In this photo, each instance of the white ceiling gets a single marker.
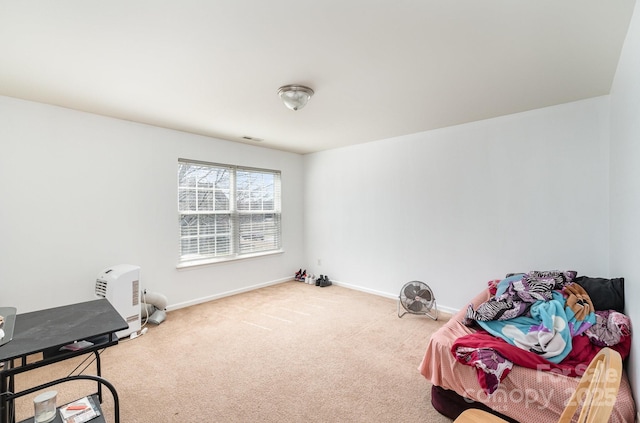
(379, 68)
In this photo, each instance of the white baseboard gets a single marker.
(225, 294)
(365, 289)
(445, 309)
(201, 300)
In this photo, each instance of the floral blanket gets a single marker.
(494, 358)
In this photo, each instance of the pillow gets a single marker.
(606, 294)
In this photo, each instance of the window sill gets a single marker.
(208, 262)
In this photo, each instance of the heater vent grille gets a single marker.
(101, 288)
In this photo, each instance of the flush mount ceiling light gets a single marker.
(295, 97)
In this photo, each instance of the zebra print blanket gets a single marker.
(517, 293)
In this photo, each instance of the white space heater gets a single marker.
(120, 285)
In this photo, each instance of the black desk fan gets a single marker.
(417, 298)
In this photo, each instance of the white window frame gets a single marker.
(227, 212)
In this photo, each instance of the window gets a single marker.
(227, 212)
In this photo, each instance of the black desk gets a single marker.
(46, 330)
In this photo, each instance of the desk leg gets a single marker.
(99, 372)
(6, 387)
(4, 404)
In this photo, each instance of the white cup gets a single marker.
(45, 407)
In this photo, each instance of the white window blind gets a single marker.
(227, 212)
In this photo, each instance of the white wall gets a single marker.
(454, 207)
(81, 192)
(625, 182)
(459, 206)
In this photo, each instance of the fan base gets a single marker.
(429, 313)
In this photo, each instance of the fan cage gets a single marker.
(417, 298)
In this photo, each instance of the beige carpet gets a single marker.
(286, 353)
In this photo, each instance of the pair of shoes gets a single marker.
(323, 281)
(300, 275)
